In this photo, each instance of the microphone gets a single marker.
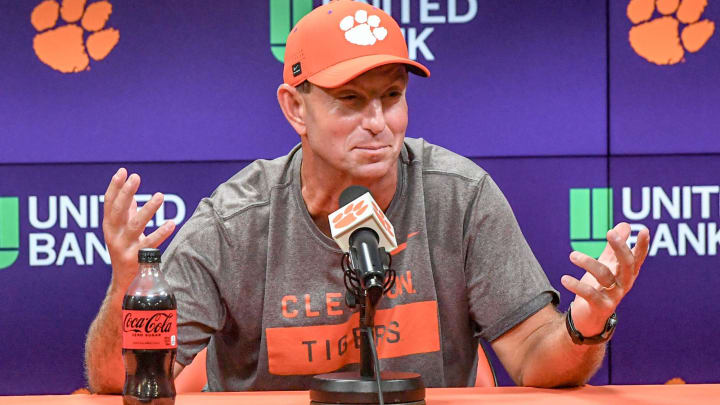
(363, 232)
(361, 229)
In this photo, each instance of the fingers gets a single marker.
(626, 260)
(623, 228)
(584, 290)
(640, 251)
(116, 183)
(601, 273)
(133, 208)
(156, 238)
(138, 221)
(121, 204)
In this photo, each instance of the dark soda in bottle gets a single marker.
(149, 316)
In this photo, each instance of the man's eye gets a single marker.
(393, 94)
(348, 97)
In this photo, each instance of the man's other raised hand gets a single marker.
(607, 280)
(124, 225)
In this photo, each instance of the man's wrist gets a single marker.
(579, 339)
(116, 291)
(589, 328)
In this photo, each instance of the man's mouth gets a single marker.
(371, 147)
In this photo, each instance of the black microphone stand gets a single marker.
(367, 322)
(362, 388)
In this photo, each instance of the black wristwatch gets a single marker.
(579, 339)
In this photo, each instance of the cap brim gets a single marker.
(341, 73)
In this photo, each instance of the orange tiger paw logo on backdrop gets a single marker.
(65, 48)
(659, 40)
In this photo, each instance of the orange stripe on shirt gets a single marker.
(400, 331)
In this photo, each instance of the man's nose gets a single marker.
(374, 117)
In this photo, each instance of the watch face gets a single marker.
(610, 325)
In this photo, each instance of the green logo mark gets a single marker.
(590, 219)
(284, 14)
(9, 230)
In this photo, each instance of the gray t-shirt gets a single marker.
(259, 284)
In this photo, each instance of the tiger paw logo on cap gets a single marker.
(64, 48)
(656, 39)
(361, 33)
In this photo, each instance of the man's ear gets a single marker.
(293, 107)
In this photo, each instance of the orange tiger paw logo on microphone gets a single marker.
(64, 48)
(350, 214)
(383, 219)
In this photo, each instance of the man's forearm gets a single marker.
(103, 348)
(556, 361)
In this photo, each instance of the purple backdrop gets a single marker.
(670, 319)
(194, 81)
(663, 109)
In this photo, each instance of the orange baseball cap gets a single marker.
(341, 40)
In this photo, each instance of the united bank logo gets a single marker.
(657, 37)
(58, 230)
(284, 14)
(682, 220)
(425, 16)
(66, 47)
(591, 216)
(9, 231)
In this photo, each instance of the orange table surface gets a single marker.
(609, 394)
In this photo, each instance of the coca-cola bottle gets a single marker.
(149, 322)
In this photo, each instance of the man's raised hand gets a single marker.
(607, 280)
(123, 226)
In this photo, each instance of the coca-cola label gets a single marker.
(149, 329)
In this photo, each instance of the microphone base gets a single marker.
(351, 388)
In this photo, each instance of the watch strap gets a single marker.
(578, 337)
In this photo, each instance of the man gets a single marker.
(257, 276)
